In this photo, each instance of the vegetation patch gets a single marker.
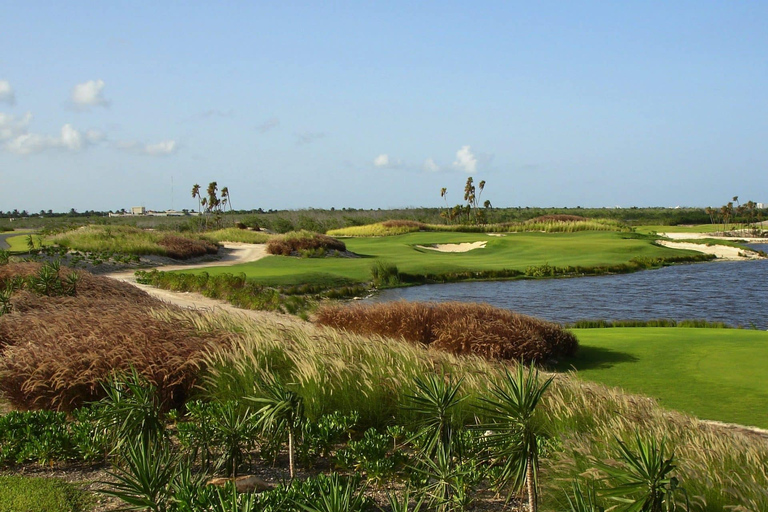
(182, 248)
(56, 350)
(386, 228)
(305, 244)
(245, 236)
(459, 328)
(129, 240)
(23, 493)
(557, 218)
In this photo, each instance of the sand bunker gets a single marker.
(722, 252)
(465, 247)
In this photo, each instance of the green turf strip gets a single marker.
(718, 374)
(513, 251)
(28, 494)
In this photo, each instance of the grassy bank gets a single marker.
(715, 374)
(516, 252)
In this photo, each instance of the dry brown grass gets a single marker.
(458, 328)
(181, 248)
(303, 242)
(557, 218)
(56, 351)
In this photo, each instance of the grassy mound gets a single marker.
(245, 236)
(386, 228)
(56, 350)
(304, 243)
(557, 218)
(459, 328)
(129, 240)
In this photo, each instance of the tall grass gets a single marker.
(334, 370)
(304, 243)
(237, 235)
(129, 240)
(546, 224)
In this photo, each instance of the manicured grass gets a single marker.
(28, 494)
(716, 374)
(513, 251)
(18, 243)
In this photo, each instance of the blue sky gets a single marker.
(103, 105)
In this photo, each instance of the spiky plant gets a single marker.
(434, 402)
(516, 431)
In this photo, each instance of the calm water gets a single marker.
(731, 292)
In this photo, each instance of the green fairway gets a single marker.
(18, 242)
(717, 374)
(513, 251)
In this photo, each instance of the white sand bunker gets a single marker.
(722, 252)
(465, 247)
(495, 234)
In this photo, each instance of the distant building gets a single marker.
(761, 206)
(138, 210)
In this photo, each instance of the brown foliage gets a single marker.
(56, 351)
(458, 328)
(403, 224)
(181, 248)
(295, 243)
(558, 218)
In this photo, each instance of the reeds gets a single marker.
(459, 328)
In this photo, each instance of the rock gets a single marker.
(246, 483)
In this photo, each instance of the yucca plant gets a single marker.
(644, 479)
(335, 495)
(281, 413)
(516, 431)
(144, 475)
(403, 503)
(434, 401)
(131, 410)
(233, 428)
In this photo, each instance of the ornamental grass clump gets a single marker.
(304, 243)
(459, 328)
(55, 351)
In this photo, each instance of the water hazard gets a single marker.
(732, 292)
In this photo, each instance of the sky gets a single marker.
(290, 105)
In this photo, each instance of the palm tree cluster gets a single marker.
(211, 204)
(744, 216)
(469, 212)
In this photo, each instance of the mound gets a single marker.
(304, 243)
(181, 248)
(410, 224)
(55, 351)
(458, 328)
(557, 218)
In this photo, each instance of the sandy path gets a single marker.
(237, 253)
(699, 236)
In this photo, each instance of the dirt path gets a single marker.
(237, 253)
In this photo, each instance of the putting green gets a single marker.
(512, 251)
(717, 374)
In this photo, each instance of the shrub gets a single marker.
(457, 328)
(304, 243)
(182, 248)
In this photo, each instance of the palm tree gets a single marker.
(516, 430)
(196, 194)
(225, 197)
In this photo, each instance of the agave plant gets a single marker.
(434, 401)
(584, 498)
(644, 479)
(516, 431)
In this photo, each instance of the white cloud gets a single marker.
(429, 165)
(6, 93)
(70, 139)
(162, 148)
(465, 160)
(89, 94)
(11, 126)
(384, 162)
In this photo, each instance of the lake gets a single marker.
(732, 292)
